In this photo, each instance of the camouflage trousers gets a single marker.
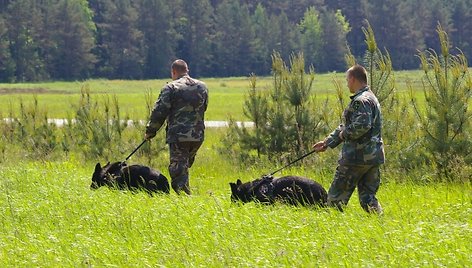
(182, 156)
(367, 180)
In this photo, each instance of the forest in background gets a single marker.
(137, 39)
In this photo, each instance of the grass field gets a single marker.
(226, 94)
(51, 218)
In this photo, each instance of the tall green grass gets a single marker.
(51, 218)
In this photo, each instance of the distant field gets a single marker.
(226, 94)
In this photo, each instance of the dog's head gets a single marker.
(246, 192)
(106, 175)
(240, 192)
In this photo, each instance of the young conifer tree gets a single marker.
(445, 121)
(286, 121)
(256, 109)
(298, 85)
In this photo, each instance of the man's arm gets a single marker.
(331, 141)
(159, 113)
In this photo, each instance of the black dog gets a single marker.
(119, 175)
(293, 190)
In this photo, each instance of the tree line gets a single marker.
(137, 39)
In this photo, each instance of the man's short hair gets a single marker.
(358, 72)
(180, 66)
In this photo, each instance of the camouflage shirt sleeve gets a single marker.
(360, 121)
(160, 111)
(333, 139)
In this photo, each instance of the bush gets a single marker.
(286, 119)
(445, 123)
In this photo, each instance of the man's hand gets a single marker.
(320, 146)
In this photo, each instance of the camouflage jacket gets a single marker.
(361, 131)
(183, 103)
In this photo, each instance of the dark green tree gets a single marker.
(69, 45)
(262, 41)
(311, 37)
(196, 28)
(286, 36)
(24, 24)
(398, 35)
(355, 12)
(233, 39)
(156, 24)
(334, 33)
(3, 5)
(7, 65)
(461, 35)
(120, 51)
(426, 15)
(447, 86)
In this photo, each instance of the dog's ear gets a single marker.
(98, 168)
(233, 186)
(238, 182)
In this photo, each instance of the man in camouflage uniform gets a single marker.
(183, 103)
(362, 152)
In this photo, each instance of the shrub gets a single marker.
(445, 123)
(286, 121)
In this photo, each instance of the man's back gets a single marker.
(183, 103)
(189, 101)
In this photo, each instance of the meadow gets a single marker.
(51, 218)
(226, 94)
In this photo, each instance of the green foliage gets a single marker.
(283, 117)
(121, 41)
(159, 36)
(69, 46)
(335, 29)
(399, 32)
(33, 131)
(379, 68)
(263, 42)
(233, 38)
(196, 31)
(93, 129)
(311, 35)
(256, 108)
(7, 65)
(24, 26)
(134, 39)
(447, 86)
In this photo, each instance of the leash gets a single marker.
(139, 146)
(294, 161)
(291, 163)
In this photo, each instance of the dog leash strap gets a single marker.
(296, 160)
(293, 162)
(129, 156)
